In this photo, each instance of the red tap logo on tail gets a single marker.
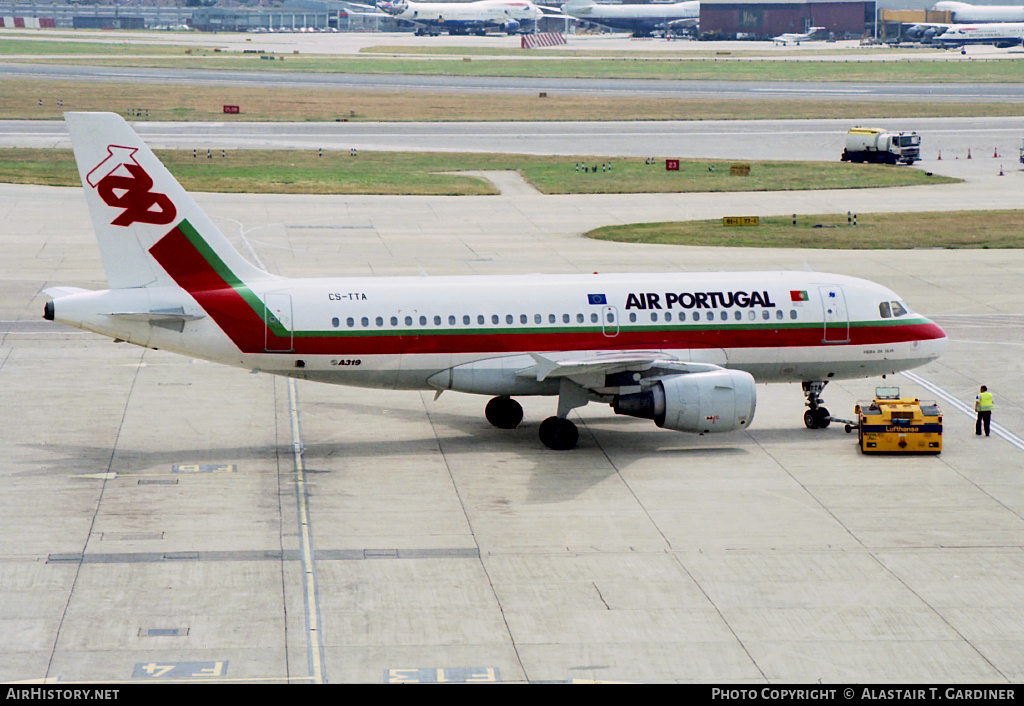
(122, 183)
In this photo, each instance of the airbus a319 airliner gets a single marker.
(681, 349)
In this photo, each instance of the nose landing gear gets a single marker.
(816, 417)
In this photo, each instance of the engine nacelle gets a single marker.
(715, 401)
(510, 27)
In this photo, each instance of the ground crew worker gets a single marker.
(983, 406)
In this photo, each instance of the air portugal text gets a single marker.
(698, 300)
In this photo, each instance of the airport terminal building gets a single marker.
(757, 19)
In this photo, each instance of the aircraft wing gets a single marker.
(649, 363)
(684, 22)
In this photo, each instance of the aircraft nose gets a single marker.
(934, 339)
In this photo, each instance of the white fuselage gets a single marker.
(967, 13)
(998, 33)
(643, 18)
(511, 15)
(476, 334)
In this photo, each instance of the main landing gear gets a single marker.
(504, 412)
(557, 433)
(816, 417)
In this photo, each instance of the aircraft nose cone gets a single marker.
(934, 339)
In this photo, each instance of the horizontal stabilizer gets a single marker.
(58, 292)
(172, 319)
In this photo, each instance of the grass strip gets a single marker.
(418, 173)
(952, 230)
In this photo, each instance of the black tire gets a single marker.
(504, 412)
(559, 434)
(810, 419)
(822, 417)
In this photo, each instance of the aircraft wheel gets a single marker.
(823, 417)
(810, 420)
(504, 412)
(559, 434)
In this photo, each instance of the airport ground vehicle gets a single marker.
(872, 144)
(893, 424)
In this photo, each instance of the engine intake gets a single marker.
(710, 402)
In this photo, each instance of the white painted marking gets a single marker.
(967, 409)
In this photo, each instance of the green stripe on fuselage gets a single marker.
(229, 277)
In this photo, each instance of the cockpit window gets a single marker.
(884, 310)
(898, 309)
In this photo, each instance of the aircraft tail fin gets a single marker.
(150, 231)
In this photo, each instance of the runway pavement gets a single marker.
(902, 92)
(166, 519)
(975, 147)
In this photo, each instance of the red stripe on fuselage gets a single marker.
(186, 265)
(667, 339)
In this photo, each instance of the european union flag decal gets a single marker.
(597, 299)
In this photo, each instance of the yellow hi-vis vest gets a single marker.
(985, 402)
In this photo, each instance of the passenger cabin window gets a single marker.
(884, 310)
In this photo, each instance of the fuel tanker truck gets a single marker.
(872, 144)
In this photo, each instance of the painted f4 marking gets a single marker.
(180, 670)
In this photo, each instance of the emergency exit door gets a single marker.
(837, 319)
(610, 321)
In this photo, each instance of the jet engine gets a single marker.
(713, 401)
(510, 27)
